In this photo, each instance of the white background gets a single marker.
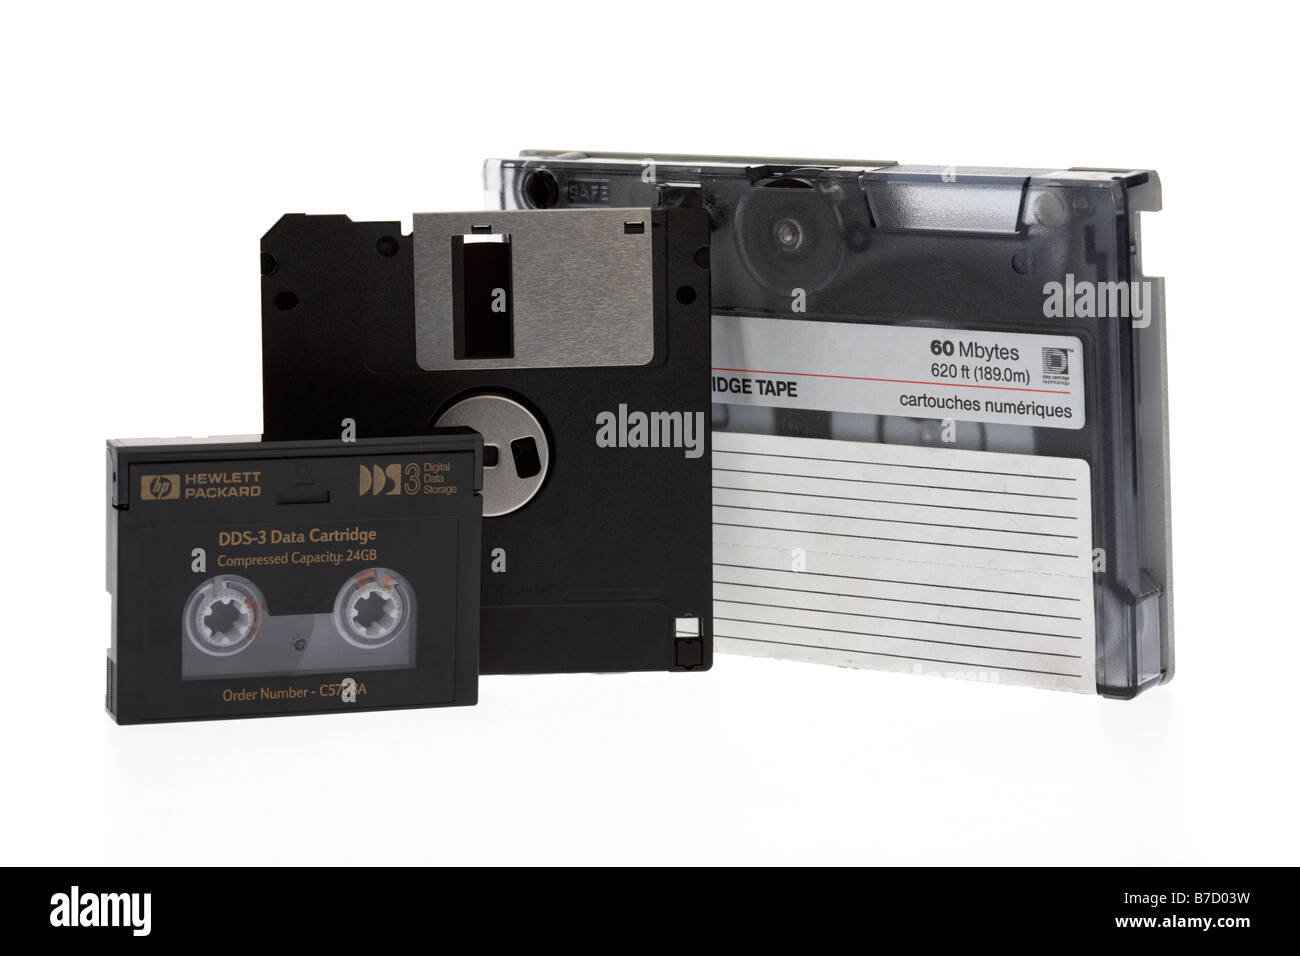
(144, 150)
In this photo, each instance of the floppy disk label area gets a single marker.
(912, 371)
(936, 561)
(516, 290)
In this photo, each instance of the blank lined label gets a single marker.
(936, 561)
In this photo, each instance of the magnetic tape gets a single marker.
(940, 430)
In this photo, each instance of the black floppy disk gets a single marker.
(577, 344)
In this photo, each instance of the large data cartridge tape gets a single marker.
(577, 344)
(940, 431)
(262, 578)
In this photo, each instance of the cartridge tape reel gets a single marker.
(789, 234)
(223, 615)
(373, 608)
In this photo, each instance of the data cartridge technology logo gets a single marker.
(1056, 361)
(160, 487)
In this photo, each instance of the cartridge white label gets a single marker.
(931, 560)
(911, 371)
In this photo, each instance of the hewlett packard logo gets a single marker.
(624, 429)
(160, 487)
(102, 910)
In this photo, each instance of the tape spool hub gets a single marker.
(373, 608)
(223, 615)
(789, 235)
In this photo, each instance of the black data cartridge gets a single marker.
(256, 578)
